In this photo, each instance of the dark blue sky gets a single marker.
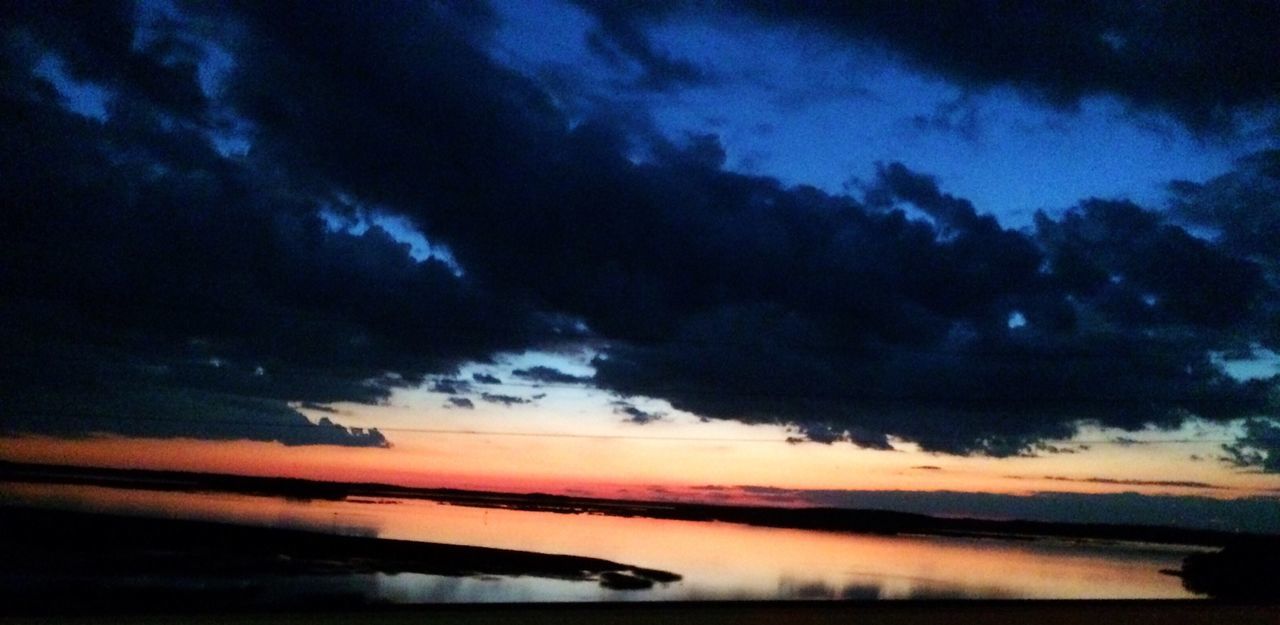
(801, 103)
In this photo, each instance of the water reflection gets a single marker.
(870, 589)
(335, 517)
(717, 560)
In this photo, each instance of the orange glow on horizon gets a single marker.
(622, 469)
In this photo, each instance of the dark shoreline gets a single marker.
(47, 556)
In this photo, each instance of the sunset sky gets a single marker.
(948, 257)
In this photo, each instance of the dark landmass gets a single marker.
(47, 556)
(1243, 571)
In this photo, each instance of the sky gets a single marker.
(1012, 260)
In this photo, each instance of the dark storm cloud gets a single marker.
(730, 296)
(1091, 348)
(1199, 62)
(1241, 211)
(97, 43)
(83, 393)
(158, 287)
(1147, 271)
(484, 378)
(1242, 206)
(734, 297)
(549, 375)
(896, 182)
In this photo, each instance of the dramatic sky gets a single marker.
(1003, 259)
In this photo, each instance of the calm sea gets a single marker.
(718, 560)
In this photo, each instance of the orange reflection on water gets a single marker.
(717, 560)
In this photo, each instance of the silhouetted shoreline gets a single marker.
(1241, 571)
(141, 563)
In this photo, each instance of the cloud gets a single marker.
(1241, 211)
(1242, 206)
(505, 400)
(334, 434)
(635, 414)
(96, 44)
(1161, 272)
(961, 116)
(318, 407)
(1092, 345)
(620, 40)
(485, 378)
(450, 386)
(136, 400)
(1125, 482)
(1055, 449)
(460, 402)
(550, 375)
(928, 467)
(896, 182)
(1259, 447)
(135, 240)
(1201, 65)
(135, 252)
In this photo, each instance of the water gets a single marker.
(717, 560)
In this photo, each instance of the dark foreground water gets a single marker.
(716, 560)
